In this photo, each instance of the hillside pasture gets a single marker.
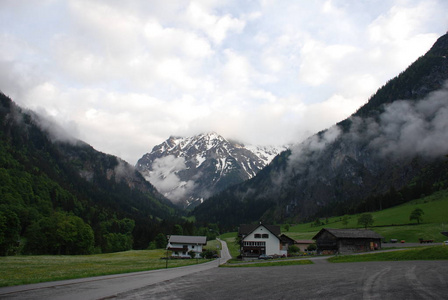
(392, 223)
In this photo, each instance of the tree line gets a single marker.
(47, 205)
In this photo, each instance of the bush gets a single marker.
(207, 253)
(293, 249)
(311, 247)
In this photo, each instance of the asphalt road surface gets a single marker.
(372, 280)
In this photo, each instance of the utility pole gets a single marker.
(168, 240)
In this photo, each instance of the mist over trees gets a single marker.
(60, 196)
(392, 150)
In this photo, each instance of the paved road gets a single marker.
(225, 254)
(106, 286)
(371, 280)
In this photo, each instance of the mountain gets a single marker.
(393, 149)
(59, 195)
(190, 169)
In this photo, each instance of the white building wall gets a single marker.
(195, 248)
(272, 242)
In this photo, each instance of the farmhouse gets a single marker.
(331, 241)
(181, 245)
(262, 239)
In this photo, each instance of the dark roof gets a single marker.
(185, 239)
(350, 233)
(286, 239)
(246, 229)
(304, 241)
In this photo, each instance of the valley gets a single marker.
(61, 196)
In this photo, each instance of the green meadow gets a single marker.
(274, 263)
(392, 223)
(17, 270)
(420, 253)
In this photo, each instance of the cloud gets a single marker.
(404, 130)
(408, 128)
(216, 27)
(128, 74)
(311, 149)
(164, 176)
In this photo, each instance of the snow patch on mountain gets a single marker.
(190, 169)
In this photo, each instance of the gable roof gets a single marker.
(306, 242)
(185, 239)
(286, 239)
(350, 233)
(246, 229)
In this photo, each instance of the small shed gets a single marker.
(303, 244)
(332, 241)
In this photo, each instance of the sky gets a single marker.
(123, 76)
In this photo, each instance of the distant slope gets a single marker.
(47, 178)
(189, 169)
(392, 223)
(388, 152)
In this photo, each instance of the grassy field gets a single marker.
(229, 238)
(390, 223)
(16, 270)
(270, 264)
(424, 253)
(393, 223)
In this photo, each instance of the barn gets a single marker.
(332, 241)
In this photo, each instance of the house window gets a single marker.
(257, 236)
(192, 247)
(265, 235)
(256, 244)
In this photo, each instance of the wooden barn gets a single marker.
(332, 241)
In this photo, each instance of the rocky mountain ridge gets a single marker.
(190, 169)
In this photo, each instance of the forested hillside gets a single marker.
(60, 196)
(392, 150)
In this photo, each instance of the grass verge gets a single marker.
(423, 253)
(17, 270)
(269, 264)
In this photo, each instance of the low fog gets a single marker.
(405, 129)
(164, 176)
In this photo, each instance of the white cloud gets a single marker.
(164, 176)
(216, 27)
(408, 128)
(125, 75)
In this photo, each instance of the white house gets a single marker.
(262, 239)
(181, 245)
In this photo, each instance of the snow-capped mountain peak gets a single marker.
(189, 169)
